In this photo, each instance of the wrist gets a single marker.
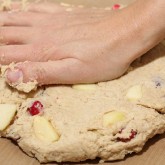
(147, 24)
(135, 30)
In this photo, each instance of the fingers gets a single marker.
(54, 8)
(66, 71)
(15, 19)
(21, 18)
(16, 53)
(44, 7)
(15, 35)
(40, 20)
(47, 7)
(35, 52)
(29, 18)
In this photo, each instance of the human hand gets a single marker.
(60, 47)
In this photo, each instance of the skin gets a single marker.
(54, 46)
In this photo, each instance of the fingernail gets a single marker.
(14, 76)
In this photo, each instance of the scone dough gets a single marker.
(74, 123)
(76, 115)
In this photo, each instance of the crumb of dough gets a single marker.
(25, 87)
(6, 5)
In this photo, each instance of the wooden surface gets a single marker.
(153, 153)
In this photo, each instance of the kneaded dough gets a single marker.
(107, 120)
(77, 114)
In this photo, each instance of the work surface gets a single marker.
(153, 153)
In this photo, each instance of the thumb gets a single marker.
(66, 71)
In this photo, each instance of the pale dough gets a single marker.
(107, 120)
(77, 115)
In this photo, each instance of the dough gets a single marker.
(74, 123)
(106, 120)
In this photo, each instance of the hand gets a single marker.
(80, 46)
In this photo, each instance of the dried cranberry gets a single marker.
(132, 135)
(115, 6)
(35, 108)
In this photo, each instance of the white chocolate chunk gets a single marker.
(44, 130)
(7, 113)
(84, 86)
(134, 93)
(113, 117)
